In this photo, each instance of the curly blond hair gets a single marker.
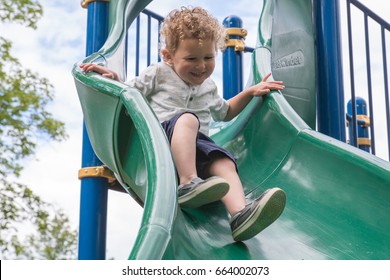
(191, 23)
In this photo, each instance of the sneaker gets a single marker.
(258, 214)
(199, 192)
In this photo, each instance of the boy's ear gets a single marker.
(167, 56)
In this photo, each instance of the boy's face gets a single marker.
(192, 62)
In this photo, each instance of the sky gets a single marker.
(51, 51)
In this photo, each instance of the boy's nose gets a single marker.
(201, 64)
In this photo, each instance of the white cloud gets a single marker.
(51, 50)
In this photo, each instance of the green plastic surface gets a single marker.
(338, 197)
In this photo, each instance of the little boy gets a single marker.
(184, 98)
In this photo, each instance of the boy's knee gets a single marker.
(228, 162)
(189, 120)
(224, 163)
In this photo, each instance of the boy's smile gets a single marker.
(193, 62)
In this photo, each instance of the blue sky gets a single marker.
(51, 50)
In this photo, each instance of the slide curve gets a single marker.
(338, 197)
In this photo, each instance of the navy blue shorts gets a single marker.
(206, 149)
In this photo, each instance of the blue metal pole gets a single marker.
(363, 123)
(330, 98)
(94, 191)
(137, 45)
(232, 63)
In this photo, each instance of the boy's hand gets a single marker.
(105, 72)
(265, 87)
(238, 102)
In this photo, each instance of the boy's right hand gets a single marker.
(105, 72)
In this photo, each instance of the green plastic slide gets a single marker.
(338, 197)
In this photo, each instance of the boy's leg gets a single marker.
(247, 219)
(193, 191)
(234, 200)
(183, 147)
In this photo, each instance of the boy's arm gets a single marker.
(105, 72)
(239, 102)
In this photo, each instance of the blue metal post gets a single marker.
(232, 63)
(363, 123)
(94, 191)
(330, 98)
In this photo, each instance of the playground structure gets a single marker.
(338, 195)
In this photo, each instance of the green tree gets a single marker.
(24, 121)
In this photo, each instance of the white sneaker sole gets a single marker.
(267, 211)
(208, 192)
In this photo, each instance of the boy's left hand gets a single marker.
(265, 87)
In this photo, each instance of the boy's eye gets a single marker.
(194, 58)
